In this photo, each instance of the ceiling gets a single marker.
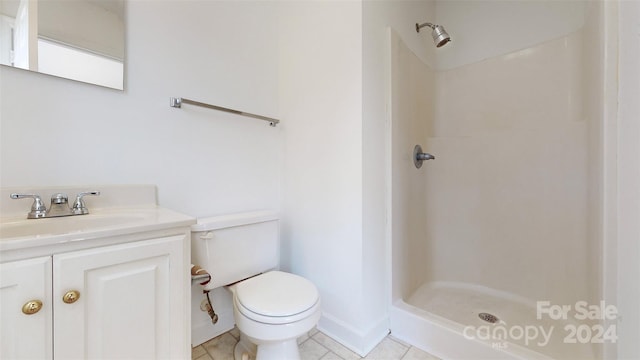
(10, 7)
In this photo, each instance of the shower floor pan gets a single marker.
(462, 321)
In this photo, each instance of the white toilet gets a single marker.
(271, 308)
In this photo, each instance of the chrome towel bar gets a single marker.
(177, 103)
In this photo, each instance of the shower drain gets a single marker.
(490, 318)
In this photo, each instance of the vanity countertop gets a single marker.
(21, 232)
(121, 222)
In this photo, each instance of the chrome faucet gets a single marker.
(419, 156)
(59, 205)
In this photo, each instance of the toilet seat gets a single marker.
(276, 297)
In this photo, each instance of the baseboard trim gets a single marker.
(360, 342)
(203, 332)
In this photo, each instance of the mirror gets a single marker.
(81, 40)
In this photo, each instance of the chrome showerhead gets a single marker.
(439, 34)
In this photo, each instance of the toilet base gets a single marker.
(246, 350)
(278, 351)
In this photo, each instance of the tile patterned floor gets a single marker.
(314, 346)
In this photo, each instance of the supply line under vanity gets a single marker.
(177, 103)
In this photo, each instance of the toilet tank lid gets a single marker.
(231, 220)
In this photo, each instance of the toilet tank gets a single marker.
(236, 246)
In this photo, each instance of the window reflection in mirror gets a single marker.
(76, 39)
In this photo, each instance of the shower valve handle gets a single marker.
(419, 156)
(425, 156)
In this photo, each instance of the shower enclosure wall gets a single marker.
(505, 219)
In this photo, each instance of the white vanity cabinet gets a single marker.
(122, 301)
(127, 297)
(26, 284)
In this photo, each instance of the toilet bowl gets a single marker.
(272, 311)
(271, 308)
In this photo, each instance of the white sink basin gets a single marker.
(120, 210)
(68, 224)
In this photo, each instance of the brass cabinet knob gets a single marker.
(32, 307)
(71, 296)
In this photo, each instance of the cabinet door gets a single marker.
(22, 335)
(130, 301)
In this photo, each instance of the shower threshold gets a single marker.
(456, 320)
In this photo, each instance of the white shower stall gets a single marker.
(506, 222)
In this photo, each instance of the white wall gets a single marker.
(297, 61)
(321, 98)
(596, 99)
(612, 54)
(333, 91)
(59, 132)
(322, 168)
(511, 165)
(26, 36)
(378, 17)
(412, 111)
(628, 178)
(83, 24)
(484, 29)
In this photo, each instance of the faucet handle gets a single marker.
(38, 209)
(79, 208)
